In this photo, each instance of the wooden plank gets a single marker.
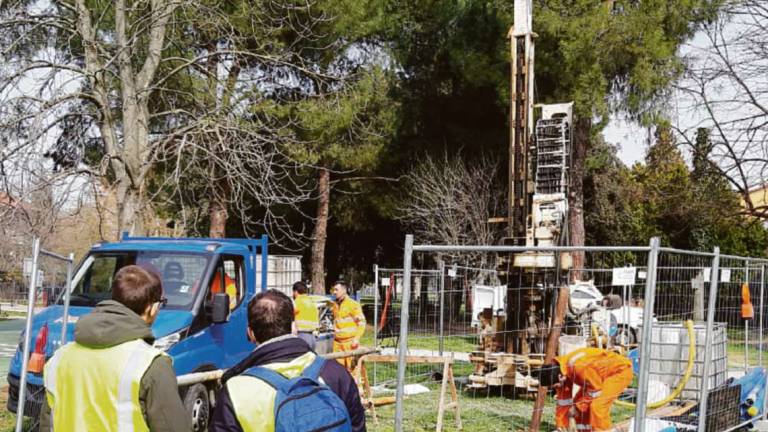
(561, 308)
(367, 392)
(384, 400)
(441, 402)
(345, 354)
(382, 358)
(454, 397)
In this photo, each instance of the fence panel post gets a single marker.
(403, 342)
(441, 285)
(645, 343)
(27, 335)
(746, 321)
(714, 278)
(67, 295)
(760, 331)
(375, 304)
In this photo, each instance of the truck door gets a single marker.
(229, 278)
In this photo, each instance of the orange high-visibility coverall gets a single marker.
(349, 327)
(602, 375)
(229, 288)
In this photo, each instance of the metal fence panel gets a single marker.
(667, 289)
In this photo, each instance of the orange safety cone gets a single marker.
(747, 310)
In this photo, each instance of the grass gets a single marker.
(430, 342)
(479, 412)
(7, 418)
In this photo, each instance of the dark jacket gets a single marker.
(111, 324)
(333, 375)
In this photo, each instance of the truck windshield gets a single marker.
(181, 274)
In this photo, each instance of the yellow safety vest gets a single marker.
(90, 389)
(306, 313)
(348, 319)
(254, 400)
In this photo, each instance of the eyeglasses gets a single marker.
(163, 301)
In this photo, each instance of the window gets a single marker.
(181, 275)
(96, 283)
(228, 274)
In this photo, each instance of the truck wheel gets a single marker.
(197, 404)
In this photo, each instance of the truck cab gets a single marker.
(194, 273)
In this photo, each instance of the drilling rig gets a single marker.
(539, 160)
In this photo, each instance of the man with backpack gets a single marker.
(282, 385)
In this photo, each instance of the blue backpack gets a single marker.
(302, 404)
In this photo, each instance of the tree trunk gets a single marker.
(320, 233)
(218, 210)
(129, 216)
(218, 219)
(581, 134)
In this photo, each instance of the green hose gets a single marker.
(683, 380)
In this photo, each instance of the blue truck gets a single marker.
(191, 327)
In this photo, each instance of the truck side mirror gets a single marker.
(220, 310)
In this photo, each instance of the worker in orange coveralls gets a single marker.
(349, 324)
(602, 375)
(229, 287)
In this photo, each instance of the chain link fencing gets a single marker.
(491, 309)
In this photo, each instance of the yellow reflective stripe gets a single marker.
(306, 325)
(573, 359)
(583, 427)
(49, 380)
(137, 362)
(595, 393)
(49, 371)
(564, 402)
(346, 320)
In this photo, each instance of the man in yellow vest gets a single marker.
(111, 378)
(246, 402)
(349, 323)
(307, 317)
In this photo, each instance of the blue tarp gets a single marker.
(753, 386)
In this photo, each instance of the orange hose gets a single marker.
(387, 301)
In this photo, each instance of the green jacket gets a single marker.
(111, 324)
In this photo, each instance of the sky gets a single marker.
(632, 138)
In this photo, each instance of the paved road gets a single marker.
(9, 340)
